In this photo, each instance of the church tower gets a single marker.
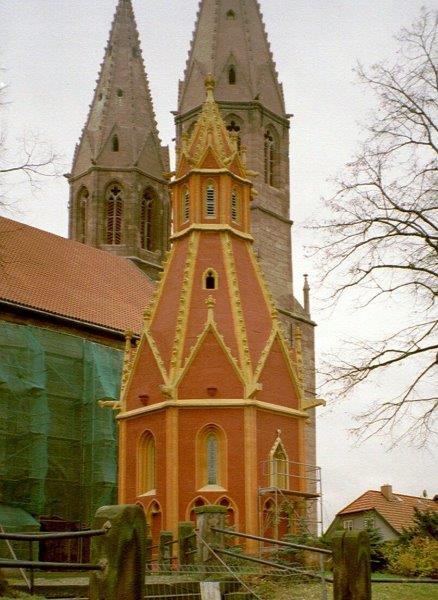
(213, 407)
(118, 194)
(230, 42)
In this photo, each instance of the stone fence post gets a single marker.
(187, 543)
(207, 517)
(165, 550)
(351, 566)
(121, 552)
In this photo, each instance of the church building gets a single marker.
(213, 408)
(218, 402)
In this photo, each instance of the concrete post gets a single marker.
(351, 566)
(121, 552)
(207, 517)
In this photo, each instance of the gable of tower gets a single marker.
(144, 390)
(279, 384)
(210, 256)
(210, 372)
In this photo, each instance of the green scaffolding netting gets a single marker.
(57, 446)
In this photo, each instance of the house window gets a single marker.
(114, 214)
(146, 220)
(231, 15)
(119, 93)
(210, 279)
(348, 525)
(232, 75)
(368, 523)
(82, 202)
(146, 464)
(185, 205)
(210, 201)
(279, 464)
(235, 206)
(269, 158)
(115, 143)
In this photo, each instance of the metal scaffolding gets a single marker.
(290, 499)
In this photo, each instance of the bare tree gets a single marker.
(382, 236)
(28, 160)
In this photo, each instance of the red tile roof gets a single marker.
(47, 272)
(398, 512)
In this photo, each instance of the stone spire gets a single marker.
(230, 42)
(121, 106)
(120, 144)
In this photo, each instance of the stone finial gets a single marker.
(210, 302)
(210, 83)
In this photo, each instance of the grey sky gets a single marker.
(51, 53)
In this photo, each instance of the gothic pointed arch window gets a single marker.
(185, 204)
(270, 157)
(235, 206)
(231, 510)
(114, 214)
(147, 216)
(196, 503)
(154, 519)
(115, 143)
(211, 458)
(146, 467)
(232, 75)
(210, 201)
(81, 212)
(279, 466)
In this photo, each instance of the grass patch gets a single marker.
(269, 590)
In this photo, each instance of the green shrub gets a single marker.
(417, 557)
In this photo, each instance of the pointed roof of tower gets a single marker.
(231, 33)
(210, 145)
(121, 106)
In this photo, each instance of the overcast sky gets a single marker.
(50, 56)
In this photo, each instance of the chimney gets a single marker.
(386, 491)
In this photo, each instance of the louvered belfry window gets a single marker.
(210, 201)
(114, 215)
(185, 205)
(234, 206)
(146, 221)
(269, 158)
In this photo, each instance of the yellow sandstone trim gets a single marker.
(184, 308)
(121, 488)
(172, 462)
(236, 308)
(250, 454)
(214, 227)
(214, 403)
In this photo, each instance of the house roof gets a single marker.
(62, 277)
(398, 512)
